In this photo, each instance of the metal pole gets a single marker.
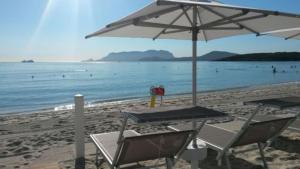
(120, 139)
(194, 58)
(195, 38)
(79, 126)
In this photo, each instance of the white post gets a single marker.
(79, 126)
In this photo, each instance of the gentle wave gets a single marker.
(72, 106)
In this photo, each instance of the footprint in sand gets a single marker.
(14, 143)
(22, 150)
(291, 157)
(268, 159)
(3, 154)
(27, 156)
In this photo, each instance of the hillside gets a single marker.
(149, 55)
(277, 56)
(161, 55)
(211, 56)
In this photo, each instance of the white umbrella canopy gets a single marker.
(293, 33)
(196, 20)
(173, 19)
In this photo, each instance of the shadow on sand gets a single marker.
(80, 163)
(211, 163)
(285, 144)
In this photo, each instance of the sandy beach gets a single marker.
(46, 139)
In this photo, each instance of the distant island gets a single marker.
(163, 55)
(27, 61)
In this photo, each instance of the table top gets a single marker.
(281, 103)
(160, 114)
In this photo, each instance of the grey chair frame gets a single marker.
(292, 127)
(223, 153)
(170, 162)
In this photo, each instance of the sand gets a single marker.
(46, 139)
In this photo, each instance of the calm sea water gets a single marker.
(33, 86)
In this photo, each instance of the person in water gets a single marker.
(274, 70)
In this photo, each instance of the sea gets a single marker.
(29, 87)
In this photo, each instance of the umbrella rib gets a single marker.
(151, 15)
(246, 18)
(223, 28)
(293, 36)
(231, 20)
(123, 23)
(224, 6)
(200, 21)
(221, 21)
(188, 18)
(176, 19)
(160, 25)
(175, 31)
(101, 32)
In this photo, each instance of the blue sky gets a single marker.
(54, 30)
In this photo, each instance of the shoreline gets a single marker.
(95, 103)
(40, 139)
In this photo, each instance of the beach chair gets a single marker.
(295, 126)
(133, 147)
(224, 136)
(280, 103)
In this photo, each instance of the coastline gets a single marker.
(41, 139)
(95, 103)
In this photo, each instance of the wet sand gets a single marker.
(46, 139)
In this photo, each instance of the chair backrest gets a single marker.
(262, 131)
(152, 146)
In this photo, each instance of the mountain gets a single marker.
(211, 56)
(277, 56)
(149, 55)
(216, 55)
(163, 55)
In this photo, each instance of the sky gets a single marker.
(54, 30)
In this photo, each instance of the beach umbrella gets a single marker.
(196, 20)
(293, 33)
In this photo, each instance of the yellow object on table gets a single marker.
(153, 100)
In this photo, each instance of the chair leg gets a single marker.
(261, 151)
(169, 163)
(219, 159)
(97, 157)
(226, 156)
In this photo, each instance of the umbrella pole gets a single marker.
(194, 62)
(194, 58)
